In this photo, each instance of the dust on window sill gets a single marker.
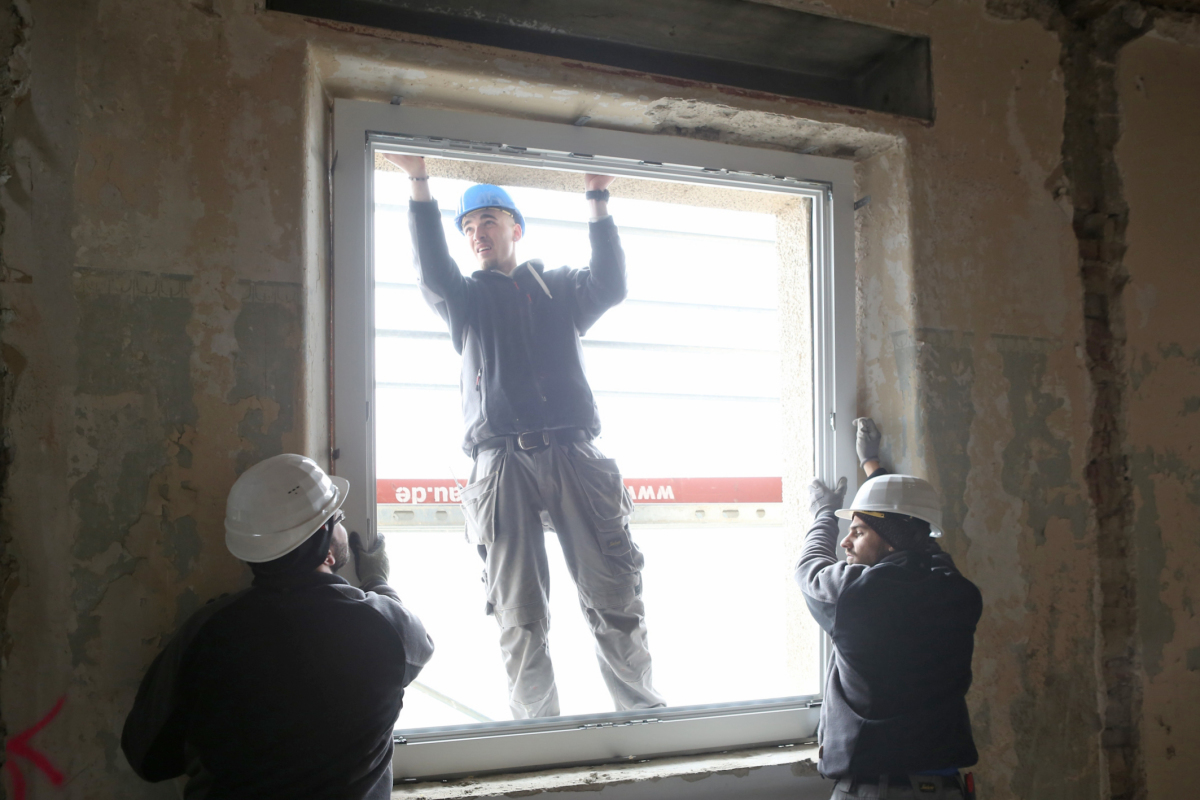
(803, 759)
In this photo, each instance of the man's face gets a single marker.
(492, 235)
(863, 545)
(339, 547)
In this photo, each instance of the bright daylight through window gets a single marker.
(692, 375)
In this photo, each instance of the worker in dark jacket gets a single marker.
(894, 718)
(530, 419)
(291, 688)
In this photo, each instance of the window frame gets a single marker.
(360, 127)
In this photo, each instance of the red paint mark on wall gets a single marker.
(423, 491)
(18, 746)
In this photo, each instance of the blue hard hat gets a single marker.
(485, 195)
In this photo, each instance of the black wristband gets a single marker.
(597, 194)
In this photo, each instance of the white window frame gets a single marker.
(359, 129)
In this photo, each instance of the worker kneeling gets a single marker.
(292, 687)
(894, 720)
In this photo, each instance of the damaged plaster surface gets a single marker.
(162, 327)
(14, 86)
(1158, 82)
(1093, 36)
(970, 333)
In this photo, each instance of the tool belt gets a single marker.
(531, 440)
(917, 783)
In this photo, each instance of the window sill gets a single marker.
(802, 758)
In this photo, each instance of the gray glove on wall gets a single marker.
(866, 441)
(370, 565)
(822, 498)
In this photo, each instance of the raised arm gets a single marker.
(822, 578)
(597, 183)
(442, 283)
(418, 176)
(602, 285)
(372, 567)
(866, 443)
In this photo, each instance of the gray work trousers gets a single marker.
(918, 787)
(513, 497)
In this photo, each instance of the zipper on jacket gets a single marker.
(537, 381)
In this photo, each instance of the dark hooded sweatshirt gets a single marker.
(289, 689)
(522, 361)
(903, 634)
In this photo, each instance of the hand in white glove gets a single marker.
(370, 565)
(822, 498)
(866, 441)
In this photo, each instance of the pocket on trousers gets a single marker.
(613, 541)
(609, 502)
(479, 509)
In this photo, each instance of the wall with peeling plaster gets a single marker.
(164, 325)
(969, 331)
(1159, 82)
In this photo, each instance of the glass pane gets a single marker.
(687, 376)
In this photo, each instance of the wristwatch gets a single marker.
(597, 194)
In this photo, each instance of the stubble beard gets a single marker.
(341, 554)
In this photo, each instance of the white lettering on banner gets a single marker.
(431, 494)
(645, 492)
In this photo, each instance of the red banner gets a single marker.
(418, 491)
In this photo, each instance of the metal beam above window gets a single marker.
(736, 43)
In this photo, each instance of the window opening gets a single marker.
(687, 376)
(378, 318)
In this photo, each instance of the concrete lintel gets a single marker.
(776, 50)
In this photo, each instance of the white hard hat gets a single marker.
(277, 504)
(898, 494)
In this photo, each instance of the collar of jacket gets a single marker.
(910, 559)
(533, 263)
(291, 583)
(521, 277)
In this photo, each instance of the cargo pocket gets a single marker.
(609, 502)
(479, 509)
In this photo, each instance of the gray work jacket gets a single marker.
(522, 365)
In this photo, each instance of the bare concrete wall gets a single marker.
(156, 348)
(1159, 82)
(164, 283)
(970, 318)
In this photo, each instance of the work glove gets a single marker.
(370, 565)
(822, 498)
(866, 441)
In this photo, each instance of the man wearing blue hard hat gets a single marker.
(530, 419)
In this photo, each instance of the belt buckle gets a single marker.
(542, 440)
